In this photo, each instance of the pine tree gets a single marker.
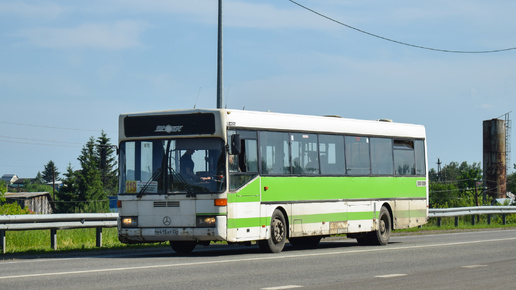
(107, 164)
(50, 172)
(39, 178)
(90, 187)
(67, 196)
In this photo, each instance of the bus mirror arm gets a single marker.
(236, 146)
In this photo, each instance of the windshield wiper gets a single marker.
(182, 181)
(148, 183)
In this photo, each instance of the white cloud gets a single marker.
(245, 14)
(114, 36)
(39, 10)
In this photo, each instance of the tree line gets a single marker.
(457, 185)
(85, 189)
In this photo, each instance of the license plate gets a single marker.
(166, 232)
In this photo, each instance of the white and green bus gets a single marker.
(195, 176)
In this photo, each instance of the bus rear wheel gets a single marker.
(276, 242)
(382, 235)
(183, 247)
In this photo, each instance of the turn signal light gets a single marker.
(221, 202)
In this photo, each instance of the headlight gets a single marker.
(206, 221)
(129, 221)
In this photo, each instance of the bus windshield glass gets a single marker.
(172, 166)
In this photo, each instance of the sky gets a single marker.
(68, 69)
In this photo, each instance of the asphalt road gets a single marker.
(467, 260)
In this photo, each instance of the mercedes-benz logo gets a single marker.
(167, 220)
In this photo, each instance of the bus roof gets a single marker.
(241, 119)
(322, 124)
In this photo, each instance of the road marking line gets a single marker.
(474, 266)
(391, 276)
(282, 287)
(264, 258)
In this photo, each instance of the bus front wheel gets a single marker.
(278, 228)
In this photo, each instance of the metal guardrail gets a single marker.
(99, 221)
(56, 222)
(474, 211)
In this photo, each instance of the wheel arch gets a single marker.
(287, 219)
(389, 209)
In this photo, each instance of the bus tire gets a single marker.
(382, 235)
(278, 228)
(183, 247)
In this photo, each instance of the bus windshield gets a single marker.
(172, 166)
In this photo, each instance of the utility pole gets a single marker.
(439, 169)
(219, 60)
(53, 182)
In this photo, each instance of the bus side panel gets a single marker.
(409, 213)
(361, 216)
(244, 223)
(418, 213)
(318, 219)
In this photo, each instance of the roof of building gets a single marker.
(10, 178)
(26, 194)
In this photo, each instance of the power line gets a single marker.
(397, 41)
(51, 127)
(20, 140)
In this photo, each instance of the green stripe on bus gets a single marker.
(244, 223)
(313, 218)
(319, 218)
(332, 188)
(250, 193)
(293, 188)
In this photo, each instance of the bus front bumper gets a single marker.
(162, 234)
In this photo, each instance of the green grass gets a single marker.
(35, 242)
(465, 223)
(38, 241)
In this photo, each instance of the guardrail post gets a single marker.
(53, 239)
(439, 221)
(456, 221)
(2, 241)
(504, 219)
(99, 237)
(488, 219)
(473, 220)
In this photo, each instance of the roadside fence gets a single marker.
(56, 222)
(99, 221)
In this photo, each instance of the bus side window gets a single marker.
(404, 158)
(331, 150)
(357, 155)
(250, 162)
(419, 147)
(381, 156)
(305, 155)
(274, 151)
(246, 158)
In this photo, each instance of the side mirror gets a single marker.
(236, 144)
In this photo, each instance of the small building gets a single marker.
(9, 178)
(38, 202)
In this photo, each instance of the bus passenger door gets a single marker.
(244, 188)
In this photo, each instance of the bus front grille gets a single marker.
(166, 203)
